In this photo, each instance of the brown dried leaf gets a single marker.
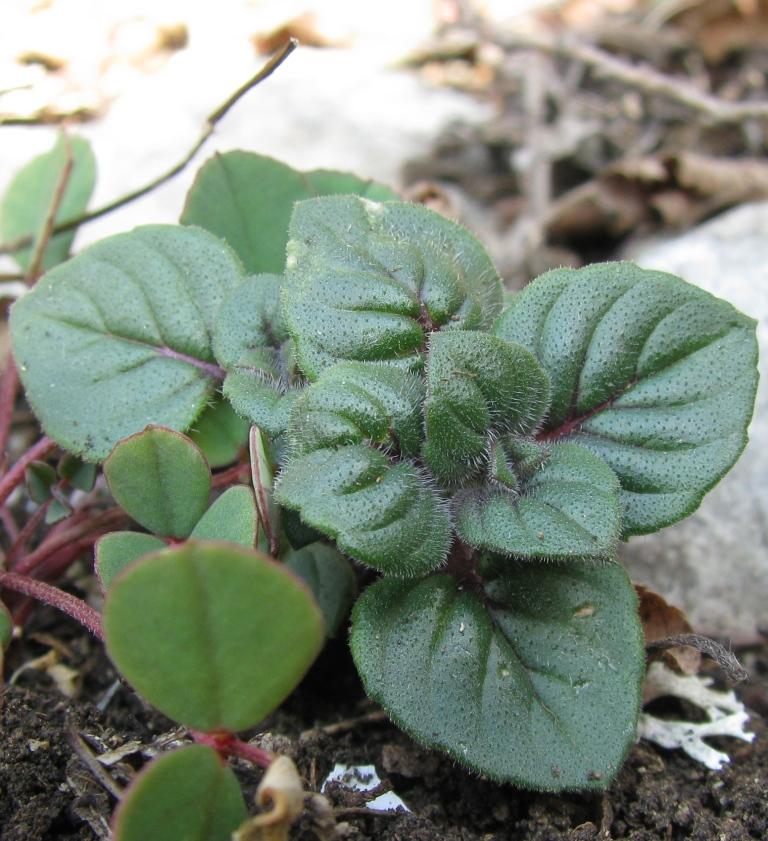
(282, 790)
(732, 181)
(661, 620)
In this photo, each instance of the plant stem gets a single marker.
(15, 476)
(46, 593)
(231, 474)
(211, 122)
(225, 744)
(9, 386)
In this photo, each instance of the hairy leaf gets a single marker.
(247, 200)
(30, 195)
(655, 375)
(537, 682)
(386, 516)
(161, 479)
(330, 578)
(215, 636)
(356, 401)
(569, 508)
(120, 336)
(187, 794)
(477, 386)
(369, 281)
(232, 517)
(114, 551)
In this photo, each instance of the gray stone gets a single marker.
(714, 564)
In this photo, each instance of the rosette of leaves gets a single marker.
(486, 462)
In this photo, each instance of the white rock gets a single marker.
(714, 564)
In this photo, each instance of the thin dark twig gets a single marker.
(211, 122)
(724, 658)
(92, 764)
(36, 264)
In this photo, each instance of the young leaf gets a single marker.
(40, 478)
(232, 517)
(161, 479)
(477, 386)
(654, 375)
(386, 516)
(330, 578)
(369, 281)
(6, 629)
(567, 509)
(213, 635)
(120, 336)
(220, 433)
(356, 401)
(29, 197)
(78, 473)
(187, 794)
(114, 551)
(536, 682)
(252, 345)
(247, 200)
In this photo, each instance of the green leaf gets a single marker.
(477, 386)
(569, 508)
(537, 682)
(385, 516)
(232, 517)
(251, 343)
(187, 794)
(30, 195)
(356, 401)
(40, 478)
(330, 578)
(161, 479)
(370, 281)
(120, 336)
(57, 511)
(213, 635)
(654, 375)
(114, 551)
(78, 473)
(220, 433)
(247, 200)
(6, 629)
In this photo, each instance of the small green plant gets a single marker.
(485, 458)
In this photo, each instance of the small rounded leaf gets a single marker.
(116, 550)
(232, 517)
(188, 794)
(220, 433)
(213, 635)
(161, 479)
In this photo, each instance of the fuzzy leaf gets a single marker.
(330, 578)
(252, 345)
(28, 199)
(567, 509)
(247, 200)
(356, 401)
(369, 281)
(655, 375)
(114, 551)
(120, 336)
(220, 433)
(477, 386)
(161, 479)
(215, 636)
(232, 517)
(187, 794)
(385, 516)
(537, 684)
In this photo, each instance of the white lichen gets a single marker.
(725, 713)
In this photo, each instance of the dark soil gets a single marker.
(48, 792)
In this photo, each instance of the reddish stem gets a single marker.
(231, 474)
(53, 596)
(21, 541)
(15, 476)
(225, 744)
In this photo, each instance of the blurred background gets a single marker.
(560, 132)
